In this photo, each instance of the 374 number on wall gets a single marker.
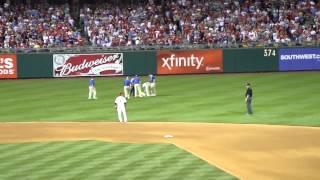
(269, 52)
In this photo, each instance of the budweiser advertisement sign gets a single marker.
(189, 62)
(69, 65)
(8, 66)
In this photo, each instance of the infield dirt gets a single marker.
(245, 151)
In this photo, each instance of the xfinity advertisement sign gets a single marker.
(189, 62)
(299, 59)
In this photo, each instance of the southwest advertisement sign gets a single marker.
(69, 65)
(8, 66)
(189, 62)
(299, 59)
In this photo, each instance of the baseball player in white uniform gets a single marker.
(146, 87)
(92, 89)
(127, 87)
(152, 85)
(120, 105)
(137, 87)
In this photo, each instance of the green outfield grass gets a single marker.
(279, 98)
(99, 160)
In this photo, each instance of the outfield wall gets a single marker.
(250, 60)
(207, 61)
(142, 63)
(34, 65)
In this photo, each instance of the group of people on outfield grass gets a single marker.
(131, 87)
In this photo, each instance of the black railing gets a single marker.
(92, 48)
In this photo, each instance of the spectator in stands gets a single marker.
(175, 22)
(41, 27)
(183, 22)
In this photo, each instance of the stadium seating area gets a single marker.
(177, 22)
(40, 27)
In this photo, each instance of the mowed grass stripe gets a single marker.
(185, 166)
(114, 166)
(71, 163)
(205, 171)
(7, 147)
(18, 152)
(94, 159)
(202, 98)
(158, 165)
(131, 166)
(99, 160)
(57, 156)
(197, 169)
(26, 160)
(179, 163)
(135, 168)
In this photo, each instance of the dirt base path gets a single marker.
(246, 151)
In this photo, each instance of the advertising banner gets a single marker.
(8, 66)
(189, 62)
(291, 59)
(105, 64)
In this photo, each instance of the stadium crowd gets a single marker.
(39, 27)
(218, 22)
(174, 22)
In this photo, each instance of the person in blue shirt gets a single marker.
(92, 89)
(137, 87)
(126, 87)
(152, 80)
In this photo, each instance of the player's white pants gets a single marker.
(146, 87)
(147, 90)
(137, 91)
(122, 112)
(92, 92)
(126, 90)
(153, 89)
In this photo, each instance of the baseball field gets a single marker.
(50, 128)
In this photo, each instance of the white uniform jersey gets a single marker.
(120, 101)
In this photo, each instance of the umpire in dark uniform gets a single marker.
(249, 95)
(132, 86)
